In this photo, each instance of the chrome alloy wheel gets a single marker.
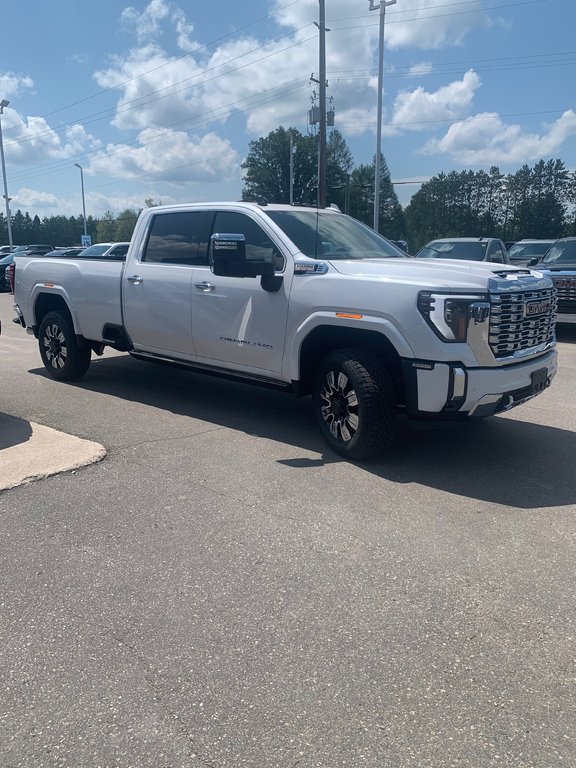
(339, 406)
(55, 346)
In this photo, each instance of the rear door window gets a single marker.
(181, 237)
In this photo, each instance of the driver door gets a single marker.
(234, 320)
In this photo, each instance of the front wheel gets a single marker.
(64, 358)
(354, 403)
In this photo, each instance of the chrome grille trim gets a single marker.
(511, 333)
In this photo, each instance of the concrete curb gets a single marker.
(31, 452)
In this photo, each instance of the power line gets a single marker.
(138, 103)
(206, 46)
(432, 16)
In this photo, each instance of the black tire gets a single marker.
(354, 403)
(64, 358)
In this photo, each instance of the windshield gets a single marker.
(471, 251)
(521, 250)
(562, 252)
(325, 235)
(95, 250)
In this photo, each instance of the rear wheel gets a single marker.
(354, 403)
(64, 358)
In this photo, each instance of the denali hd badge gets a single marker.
(532, 308)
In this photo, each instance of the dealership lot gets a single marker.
(221, 590)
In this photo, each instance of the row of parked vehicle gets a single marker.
(557, 258)
(101, 250)
(520, 254)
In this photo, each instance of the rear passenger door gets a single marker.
(157, 284)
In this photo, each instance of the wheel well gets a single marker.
(49, 302)
(325, 339)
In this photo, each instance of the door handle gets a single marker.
(136, 279)
(205, 286)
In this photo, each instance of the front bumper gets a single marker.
(449, 390)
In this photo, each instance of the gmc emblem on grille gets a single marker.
(532, 308)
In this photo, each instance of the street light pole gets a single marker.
(83, 200)
(382, 8)
(3, 104)
(322, 93)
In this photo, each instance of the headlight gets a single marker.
(449, 315)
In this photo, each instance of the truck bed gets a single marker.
(93, 285)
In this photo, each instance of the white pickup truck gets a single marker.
(309, 301)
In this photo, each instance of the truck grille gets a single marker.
(521, 320)
(566, 294)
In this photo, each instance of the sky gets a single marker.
(159, 99)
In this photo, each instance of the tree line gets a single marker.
(533, 202)
(68, 230)
(537, 202)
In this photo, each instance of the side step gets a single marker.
(223, 373)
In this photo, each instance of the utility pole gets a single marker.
(291, 169)
(322, 92)
(382, 8)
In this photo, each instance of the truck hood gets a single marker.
(447, 274)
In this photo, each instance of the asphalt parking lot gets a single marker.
(217, 589)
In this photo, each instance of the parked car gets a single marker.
(559, 263)
(36, 249)
(5, 262)
(467, 248)
(561, 252)
(524, 251)
(5, 249)
(107, 251)
(66, 252)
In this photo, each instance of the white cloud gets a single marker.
(32, 199)
(414, 109)
(169, 155)
(146, 24)
(409, 24)
(11, 84)
(484, 140)
(415, 24)
(33, 141)
(269, 80)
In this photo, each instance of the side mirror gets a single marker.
(533, 262)
(228, 255)
(228, 259)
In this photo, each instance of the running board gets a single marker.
(224, 373)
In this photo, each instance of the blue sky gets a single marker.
(161, 99)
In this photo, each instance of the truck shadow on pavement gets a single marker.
(502, 460)
(13, 431)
